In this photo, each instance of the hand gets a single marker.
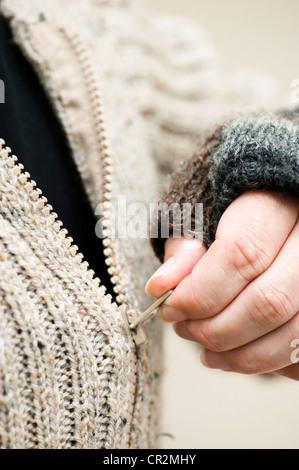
(240, 298)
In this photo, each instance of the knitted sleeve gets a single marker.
(255, 152)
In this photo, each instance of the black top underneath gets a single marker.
(29, 126)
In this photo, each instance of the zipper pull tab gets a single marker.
(136, 321)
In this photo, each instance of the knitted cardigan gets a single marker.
(133, 94)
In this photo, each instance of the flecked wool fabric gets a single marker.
(133, 94)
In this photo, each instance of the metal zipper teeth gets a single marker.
(113, 267)
(35, 194)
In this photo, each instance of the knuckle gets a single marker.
(249, 257)
(202, 304)
(208, 339)
(195, 294)
(294, 327)
(244, 363)
(170, 247)
(272, 305)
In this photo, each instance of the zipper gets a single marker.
(130, 315)
(136, 336)
(114, 268)
(35, 194)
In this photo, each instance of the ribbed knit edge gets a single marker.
(255, 153)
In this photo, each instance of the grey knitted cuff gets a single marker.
(255, 153)
(259, 152)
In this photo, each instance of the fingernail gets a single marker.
(170, 314)
(213, 360)
(203, 358)
(162, 270)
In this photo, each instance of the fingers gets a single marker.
(272, 352)
(181, 255)
(291, 372)
(246, 245)
(267, 303)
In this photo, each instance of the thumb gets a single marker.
(181, 255)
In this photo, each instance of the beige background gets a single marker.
(213, 409)
(263, 34)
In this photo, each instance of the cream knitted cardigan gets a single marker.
(71, 377)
